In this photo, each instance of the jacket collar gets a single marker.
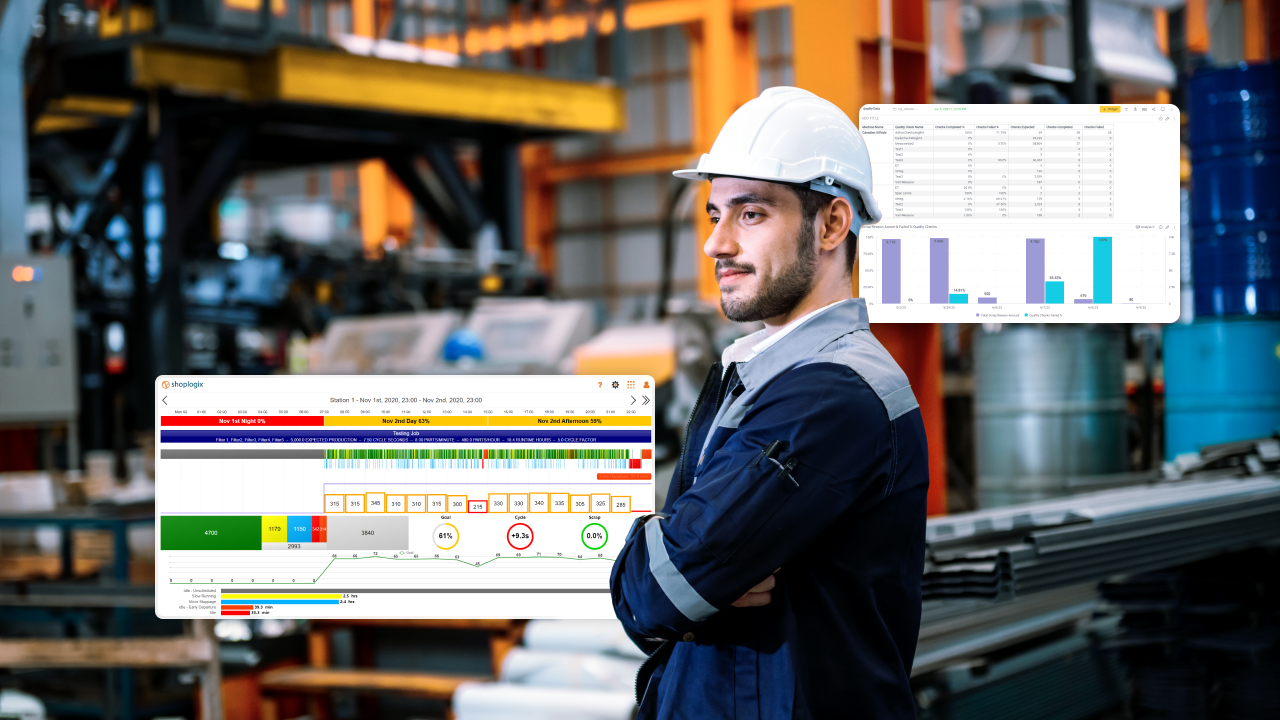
(804, 342)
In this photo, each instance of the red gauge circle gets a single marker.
(515, 535)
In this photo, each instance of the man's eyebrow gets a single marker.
(744, 199)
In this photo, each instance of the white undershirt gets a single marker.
(748, 347)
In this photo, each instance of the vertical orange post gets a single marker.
(846, 72)
(918, 350)
(825, 51)
(1197, 15)
(373, 206)
(1255, 29)
(712, 85)
(539, 207)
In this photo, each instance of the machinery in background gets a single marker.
(39, 382)
(384, 344)
(528, 336)
(1049, 404)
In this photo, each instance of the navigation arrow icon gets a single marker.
(633, 399)
(165, 399)
(646, 399)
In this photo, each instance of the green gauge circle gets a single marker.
(600, 537)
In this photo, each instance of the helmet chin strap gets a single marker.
(829, 186)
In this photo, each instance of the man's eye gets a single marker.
(750, 215)
(714, 219)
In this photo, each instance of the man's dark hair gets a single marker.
(811, 203)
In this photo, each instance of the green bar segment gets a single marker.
(210, 532)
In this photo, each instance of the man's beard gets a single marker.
(781, 294)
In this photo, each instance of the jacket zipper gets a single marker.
(688, 427)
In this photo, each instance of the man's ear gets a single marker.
(834, 223)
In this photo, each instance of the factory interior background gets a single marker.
(484, 186)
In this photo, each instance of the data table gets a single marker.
(1035, 213)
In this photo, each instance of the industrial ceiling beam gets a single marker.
(324, 78)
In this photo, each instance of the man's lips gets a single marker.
(730, 275)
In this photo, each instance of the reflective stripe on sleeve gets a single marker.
(677, 589)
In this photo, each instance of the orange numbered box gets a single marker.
(580, 503)
(355, 503)
(622, 503)
(416, 503)
(334, 504)
(518, 504)
(437, 503)
(497, 503)
(395, 504)
(599, 503)
(559, 502)
(375, 502)
(541, 502)
(457, 503)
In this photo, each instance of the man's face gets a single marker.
(766, 256)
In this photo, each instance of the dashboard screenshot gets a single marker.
(303, 496)
(1022, 213)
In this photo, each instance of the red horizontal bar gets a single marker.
(241, 421)
(237, 607)
(235, 612)
(623, 476)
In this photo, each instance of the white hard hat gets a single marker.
(790, 135)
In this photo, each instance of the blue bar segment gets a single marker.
(379, 435)
(299, 528)
(958, 298)
(1055, 292)
(1101, 270)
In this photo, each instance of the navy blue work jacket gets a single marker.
(810, 457)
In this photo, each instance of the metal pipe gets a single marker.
(1082, 90)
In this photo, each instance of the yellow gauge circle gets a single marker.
(445, 536)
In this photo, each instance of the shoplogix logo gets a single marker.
(192, 384)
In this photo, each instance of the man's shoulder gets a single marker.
(860, 352)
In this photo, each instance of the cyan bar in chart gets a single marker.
(1102, 280)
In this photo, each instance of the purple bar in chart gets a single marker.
(1083, 301)
(939, 265)
(986, 301)
(891, 271)
(1035, 271)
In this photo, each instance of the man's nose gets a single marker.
(721, 243)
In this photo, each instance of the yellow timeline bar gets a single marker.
(274, 528)
(492, 421)
(470, 420)
(586, 420)
(282, 596)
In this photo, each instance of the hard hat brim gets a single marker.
(873, 213)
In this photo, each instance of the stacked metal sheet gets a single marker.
(1013, 551)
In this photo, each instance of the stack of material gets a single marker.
(1014, 551)
(567, 670)
(1203, 640)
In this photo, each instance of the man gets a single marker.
(782, 579)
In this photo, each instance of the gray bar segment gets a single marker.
(673, 584)
(242, 454)
(368, 532)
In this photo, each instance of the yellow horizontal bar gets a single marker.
(328, 78)
(282, 596)
(587, 420)
(406, 420)
(1109, 108)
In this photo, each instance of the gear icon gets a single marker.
(615, 384)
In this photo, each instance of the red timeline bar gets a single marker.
(241, 421)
